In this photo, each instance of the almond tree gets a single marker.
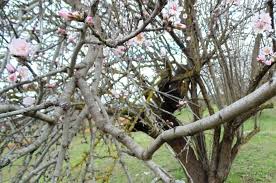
(116, 67)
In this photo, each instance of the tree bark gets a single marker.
(191, 164)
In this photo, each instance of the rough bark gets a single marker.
(191, 165)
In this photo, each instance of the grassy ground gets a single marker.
(256, 161)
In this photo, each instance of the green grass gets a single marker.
(256, 161)
(138, 170)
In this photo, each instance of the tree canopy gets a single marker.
(100, 70)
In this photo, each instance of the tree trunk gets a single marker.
(192, 166)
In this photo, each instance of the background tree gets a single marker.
(116, 67)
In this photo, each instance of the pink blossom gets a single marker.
(28, 101)
(12, 78)
(19, 47)
(268, 62)
(89, 20)
(67, 15)
(174, 8)
(61, 31)
(266, 56)
(71, 39)
(23, 72)
(267, 51)
(11, 69)
(261, 58)
(262, 22)
(120, 50)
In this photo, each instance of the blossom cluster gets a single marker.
(75, 15)
(266, 56)
(21, 73)
(120, 50)
(140, 39)
(172, 11)
(262, 22)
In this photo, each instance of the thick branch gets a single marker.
(258, 97)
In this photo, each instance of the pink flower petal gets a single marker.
(71, 39)
(67, 15)
(61, 31)
(261, 23)
(268, 62)
(261, 58)
(89, 20)
(119, 50)
(19, 47)
(267, 51)
(11, 69)
(12, 78)
(23, 73)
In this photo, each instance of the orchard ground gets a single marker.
(256, 161)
